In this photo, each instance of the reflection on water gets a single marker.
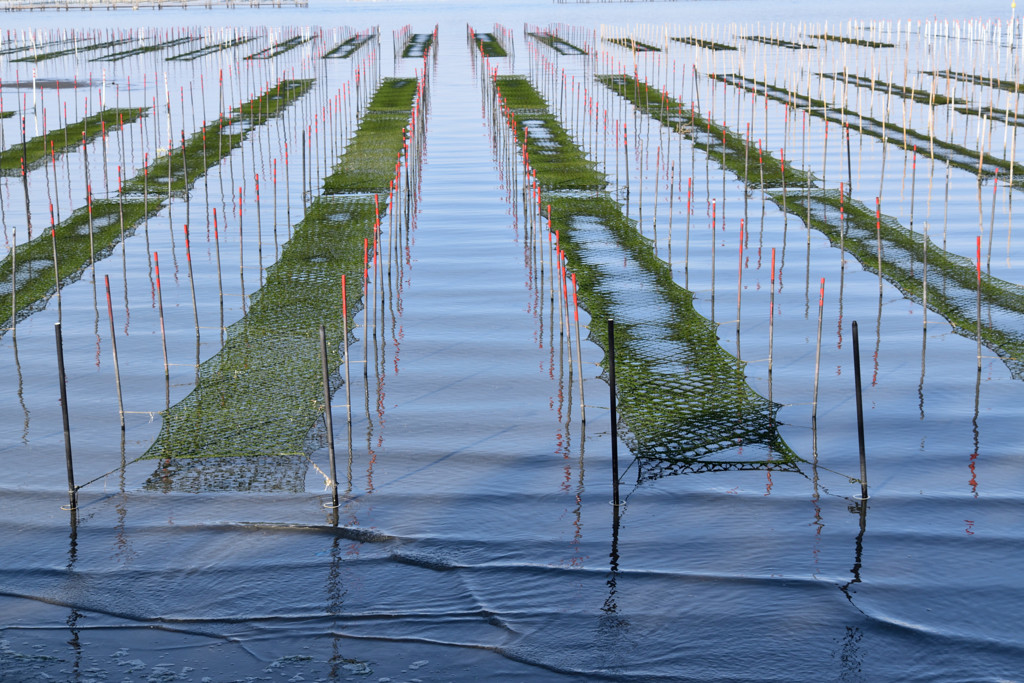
(469, 543)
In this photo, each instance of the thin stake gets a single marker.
(327, 415)
(579, 355)
(614, 418)
(817, 351)
(860, 414)
(979, 304)
(191, 280)
(62, 380)
(113, 346)
(160, 304)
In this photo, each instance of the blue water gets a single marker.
(476, 539)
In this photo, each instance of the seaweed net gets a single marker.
(682, 398)
(962, 157)
(952, 280)
(255, 402)
(262, 392)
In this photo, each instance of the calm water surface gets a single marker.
(476, 540)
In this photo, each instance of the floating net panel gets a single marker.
(261, 394)
(682, 398)
(957, 155)
(952, 280)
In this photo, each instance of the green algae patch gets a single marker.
(633, 45)
(559, 163)
(261, 394)
(208, 50)
(904, 91)
(952, 280)
(134, 52)
(74, 50)
(34, 277)
(37, 150)
(189, 161)
(974, 79)
(957, 155)
(284, 46)
(490, 45)
(418, 45)
(681, 396)
(556, 43)
(779, 42)
(849, 41)
(706, 44)
(368, 164)
(722, 145)
(6, 114)
(349, 46)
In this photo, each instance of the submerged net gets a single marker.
(753, 165)
(682, 398)
(952, 280)
(556, 43)
(263, 392)
(962, 157)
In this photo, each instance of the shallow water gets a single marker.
(475, 539)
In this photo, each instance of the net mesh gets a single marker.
(953, 281)
(682, 398)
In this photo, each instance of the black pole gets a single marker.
(614, 418)
(72, 490)
(860, 414)
(327, 414)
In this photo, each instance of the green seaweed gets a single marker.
(724, 146)
(779, 42)
(31, 46)
(208, 50)
(706, 44)
(681, 396)
(490, 45)
(369, 161)
(953, 280)
(262, 393)
(349, 46)
(973, 79)
(959, 156)
(35, 280)
(418, 45)
(74, 50)
(556, 43)
(280, 48)
(38, 150)
(559, 163)
(633, 45)
(134, 52)
(190, 159)
(904, 91)
(850, 41)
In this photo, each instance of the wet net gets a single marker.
(947, 283)
(263, 393)
(682, 399)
